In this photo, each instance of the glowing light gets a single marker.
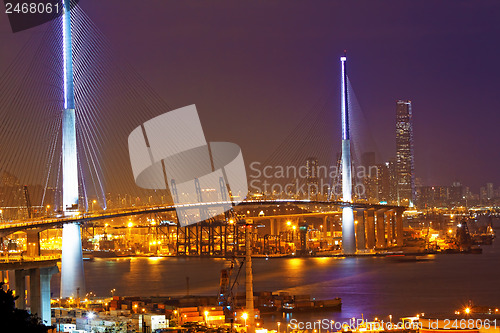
(467, 310)
(288, 223)
(244, 316)
(348, 234)
(72, 277)
(130, 224)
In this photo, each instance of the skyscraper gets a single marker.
(404, 154)
(312, 176)
(490, 192)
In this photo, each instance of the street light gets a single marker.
(206, 318)
(245, 317)
(279, 323)
(93, 202)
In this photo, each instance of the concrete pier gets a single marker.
(38, 273)
(360, 230)
(370, 229)
(380, 215)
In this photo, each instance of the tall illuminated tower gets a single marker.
(404, 154)
(348, 235)
(72, 276)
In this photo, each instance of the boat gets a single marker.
(315, 305)
(412, 257)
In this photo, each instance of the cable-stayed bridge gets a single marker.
(66, 151)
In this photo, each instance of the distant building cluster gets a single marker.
(394, 181)
(458, 195)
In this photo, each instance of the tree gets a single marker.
(17, 320)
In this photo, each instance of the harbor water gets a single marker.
(372, 287)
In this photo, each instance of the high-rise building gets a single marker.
(312, 179)
(456, 194)
(404, 154)
(369, 177)
(483, 195)
(490, 192)
(387, 181)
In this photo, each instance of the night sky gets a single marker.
(254, 68)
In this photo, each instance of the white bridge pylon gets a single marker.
(348, 233)
(72, 274)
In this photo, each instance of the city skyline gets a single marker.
(213, 76)
(130, 167)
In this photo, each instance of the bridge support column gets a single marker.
(33, 243)
(370, 229)
(348, 233)
(34, 291)
(393, 229)
(20, 288)
(325, 227)
(389, 229)
(399, 227)
(72, 275)
(360, 229)
(40, 292)
(4, 277)
(380, 229)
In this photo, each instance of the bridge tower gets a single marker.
(348, 234)
(72, 275)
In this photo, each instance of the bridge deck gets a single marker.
(8, 228)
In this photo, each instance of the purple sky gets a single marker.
(254, 68)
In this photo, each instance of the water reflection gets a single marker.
(374, 287)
